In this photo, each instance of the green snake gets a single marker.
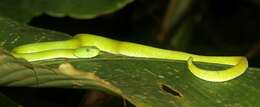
(88, 46)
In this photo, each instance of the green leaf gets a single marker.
(13, 34)
(144, 82)
(24, 10)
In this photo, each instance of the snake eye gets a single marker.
(87, 50)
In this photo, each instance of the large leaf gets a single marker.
(24, 10)
(12, 34)
(144, 82)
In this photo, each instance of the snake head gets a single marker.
(86, 52)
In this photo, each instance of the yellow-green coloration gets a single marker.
(86, 52)
(73, 49)
(80, 52)
(219, 76)
(44, 46)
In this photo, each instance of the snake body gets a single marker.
(88, 45)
